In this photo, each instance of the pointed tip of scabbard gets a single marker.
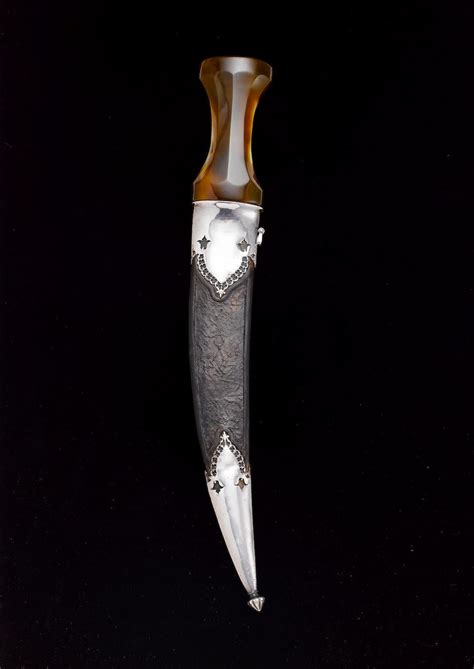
(256, 603)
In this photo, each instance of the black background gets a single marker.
(362, 344)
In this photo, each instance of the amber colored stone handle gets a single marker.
(234, 86)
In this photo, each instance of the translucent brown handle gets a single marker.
(234, 86)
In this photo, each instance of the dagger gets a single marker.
(225, 236)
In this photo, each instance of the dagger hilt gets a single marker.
(234, 86)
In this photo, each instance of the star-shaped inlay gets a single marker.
(204, 242)
(241, 483)
(217, 487)
(243, 245)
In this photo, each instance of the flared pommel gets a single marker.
(234, 86)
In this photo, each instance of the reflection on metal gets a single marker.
(256, 603)
(224, 226)
(233, 508)
(225, 440)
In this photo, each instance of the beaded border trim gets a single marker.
(221, 288)
(223, 442)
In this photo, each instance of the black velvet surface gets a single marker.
(362, 340)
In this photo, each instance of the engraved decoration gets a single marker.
(225, 238)
(219, 353)
(221, 288)
(243, 477)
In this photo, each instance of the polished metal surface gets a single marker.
(225, 233)
(230, 489)
(256, 603)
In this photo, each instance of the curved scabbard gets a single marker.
(224, 256)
